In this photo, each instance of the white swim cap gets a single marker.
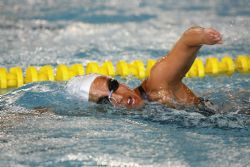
(80, 86)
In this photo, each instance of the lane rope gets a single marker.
(14, 77)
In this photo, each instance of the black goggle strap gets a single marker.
(111, 98)
(113, 86)
(110, 94)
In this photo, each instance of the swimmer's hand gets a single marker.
(211, 36)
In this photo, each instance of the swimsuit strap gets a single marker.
(142, 93)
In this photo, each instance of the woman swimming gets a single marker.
(164, 84)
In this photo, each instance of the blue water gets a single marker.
(40, 125)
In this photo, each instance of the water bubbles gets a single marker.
(41, 125)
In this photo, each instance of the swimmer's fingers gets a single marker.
(213, 31)
(220, 42)
(213, 37)
(219, 39)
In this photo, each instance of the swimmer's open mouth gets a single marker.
(131, 101)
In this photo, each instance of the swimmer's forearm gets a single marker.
(172, 68)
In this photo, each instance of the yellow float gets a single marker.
(213, 66)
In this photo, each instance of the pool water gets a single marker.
(41, 125)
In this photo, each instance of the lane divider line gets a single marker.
(13, 77)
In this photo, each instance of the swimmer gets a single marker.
(164, 84)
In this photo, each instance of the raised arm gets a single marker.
(170, 69)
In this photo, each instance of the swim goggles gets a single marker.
(112, 87)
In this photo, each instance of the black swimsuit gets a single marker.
(142, 93)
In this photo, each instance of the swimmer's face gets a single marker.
(126, 97)
(123, 96)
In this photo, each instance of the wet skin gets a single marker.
(164, 85)
(126, 97)
(122, 97)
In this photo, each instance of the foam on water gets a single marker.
(50, 33)
(42, 125)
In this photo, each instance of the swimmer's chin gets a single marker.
(130, 106)
(135, 106)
